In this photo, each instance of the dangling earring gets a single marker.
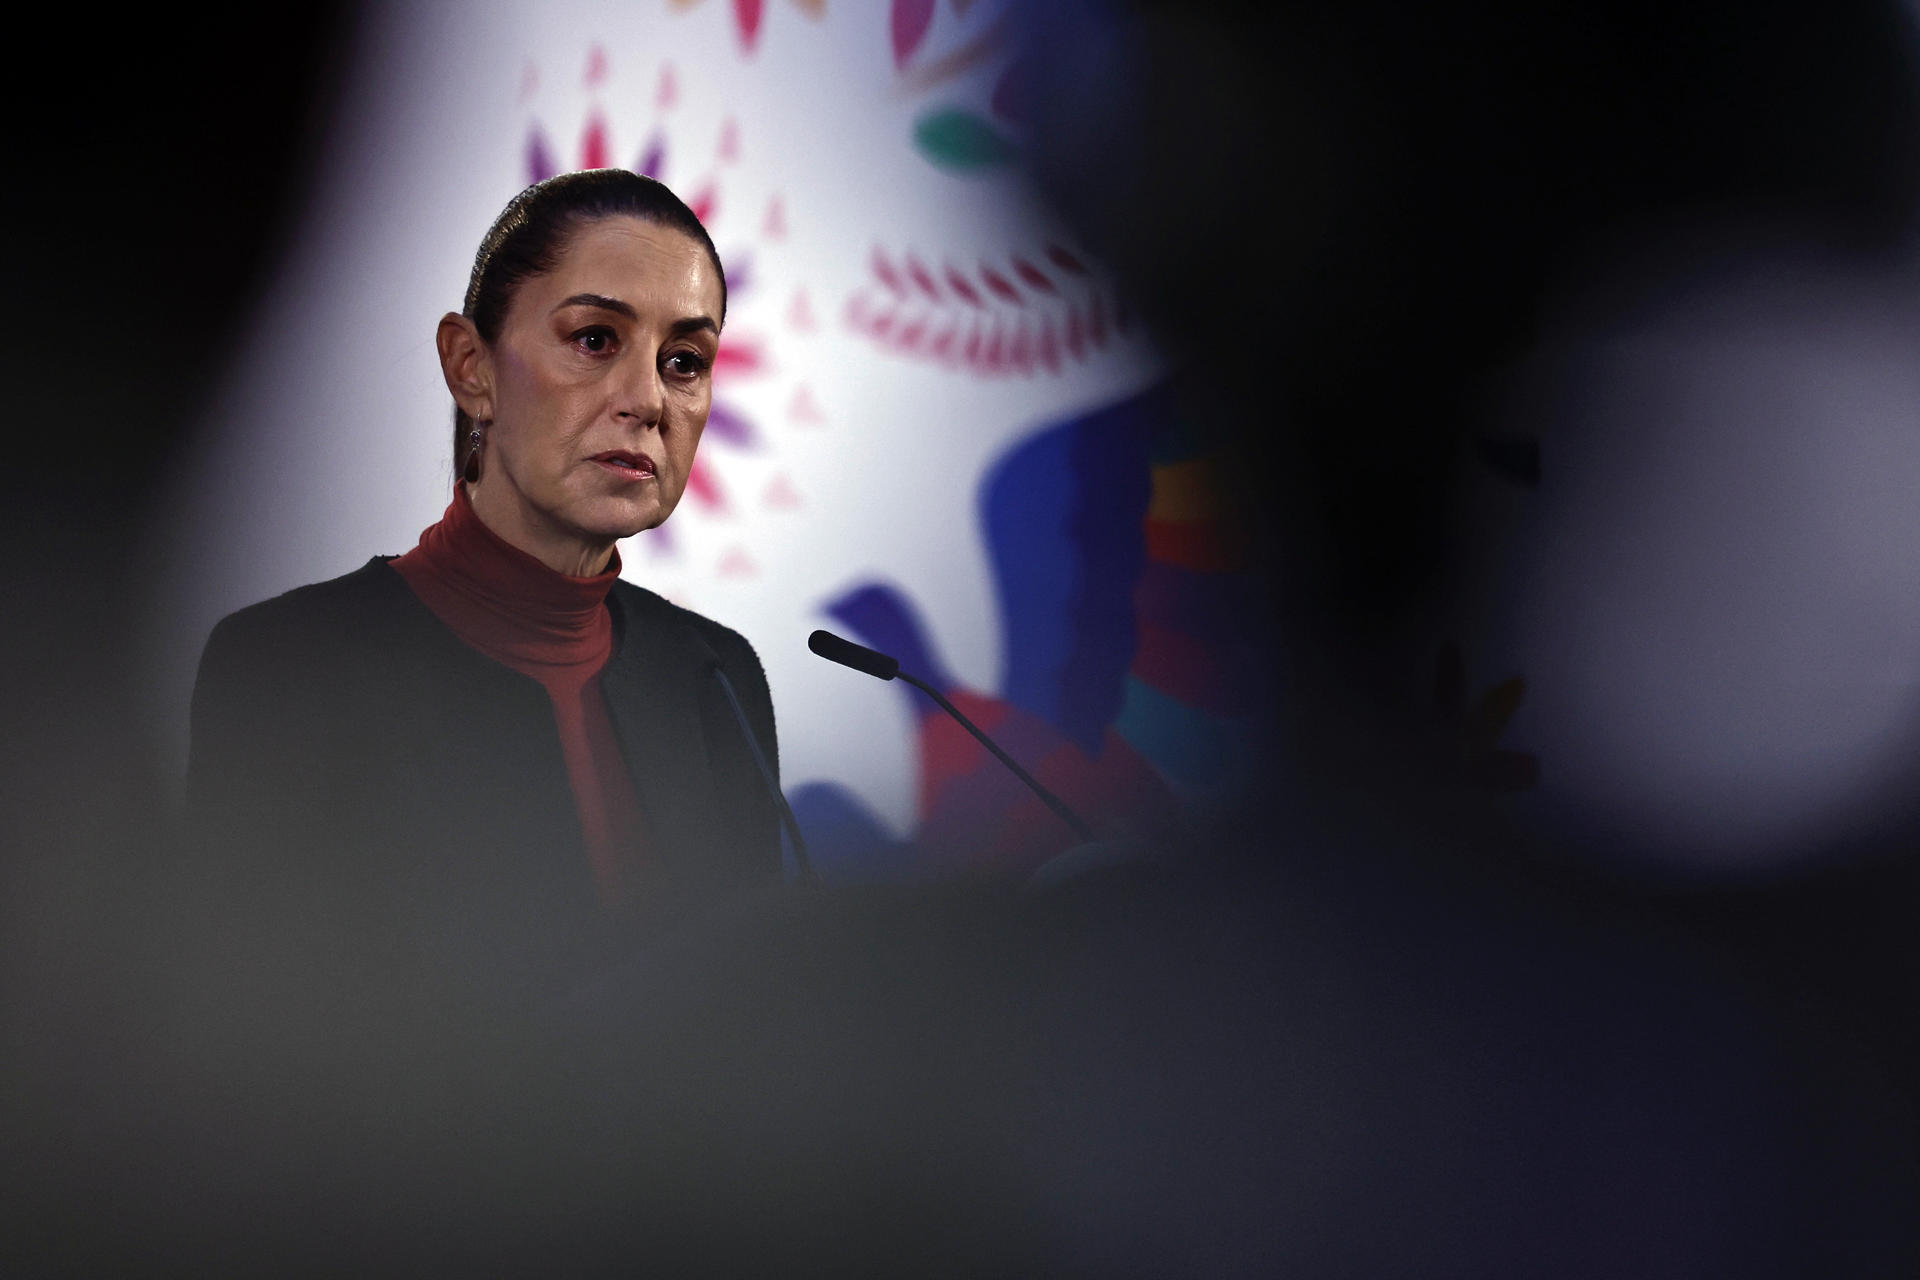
(471, 472)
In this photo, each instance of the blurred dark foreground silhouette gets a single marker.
(1367, 1022)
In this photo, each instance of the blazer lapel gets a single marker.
(652, 688)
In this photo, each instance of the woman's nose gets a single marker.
(639, 393)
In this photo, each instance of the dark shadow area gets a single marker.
(160, 159)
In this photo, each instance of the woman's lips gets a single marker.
(628, 466)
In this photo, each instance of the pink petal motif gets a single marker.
(971, 356)
(738, 357)
(724, 424)
(1076, 335)
(1020, 352)
(910, 336)
(736, 563)
(908, 27)
(958, 283)
(921, 278)
(800, 313)
(668, 92)
(884, 269)
(995, 361)
(802, 409)
(1066, 261)
(593, 143)
(747, 14)
(540, 165)
(1032, 276)
(660, 539)
(1000, 284)
(942, 348)
(775, 225)
(857, 310)
(703, 204)
(882, 324)
(1049, 346)
(596, 66)
(730, 140)
(654, 161)
(781, 495)
(704, 489)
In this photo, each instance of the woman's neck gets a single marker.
(514, 523)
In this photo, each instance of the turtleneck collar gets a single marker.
(506, 603)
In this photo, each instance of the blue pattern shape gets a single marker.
(878, 615)
(1063, 515)
(1195, 751)
(848, 843)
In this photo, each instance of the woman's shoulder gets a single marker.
(651, 609)
(321, 614)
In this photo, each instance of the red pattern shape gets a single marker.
(1053, 322)
(704, 489)
(1032, 276)
(738, 357)
(705, 202)
(960, 286)
(907, 26)
(919, 276)
(747, 15)
(1203, 548)
(593, 143)
(1000, 285)
(1183, 666)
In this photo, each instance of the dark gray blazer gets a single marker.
(359, 773)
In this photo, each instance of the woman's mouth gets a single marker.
(626, 465)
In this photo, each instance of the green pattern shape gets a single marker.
(961, 141)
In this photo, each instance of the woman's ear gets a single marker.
(466, 365)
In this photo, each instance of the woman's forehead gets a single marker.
(641, 263)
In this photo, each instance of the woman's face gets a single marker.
(601, 379)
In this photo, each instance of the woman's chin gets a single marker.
(623, 519)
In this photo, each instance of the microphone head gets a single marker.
(858, 656)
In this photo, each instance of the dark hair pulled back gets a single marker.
(531, 233)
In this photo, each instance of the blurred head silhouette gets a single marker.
(1463, 268)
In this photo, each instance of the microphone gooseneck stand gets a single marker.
(883, 667)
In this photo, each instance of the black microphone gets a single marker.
(803, 862)
(874, 663)
(858, 656)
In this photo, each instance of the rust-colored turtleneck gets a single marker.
(556, 629)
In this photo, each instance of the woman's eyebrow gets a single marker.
(601, 301)
(679, 328)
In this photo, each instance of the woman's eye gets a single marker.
(688, 364)
(595, 340)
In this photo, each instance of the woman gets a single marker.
(490, 756)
